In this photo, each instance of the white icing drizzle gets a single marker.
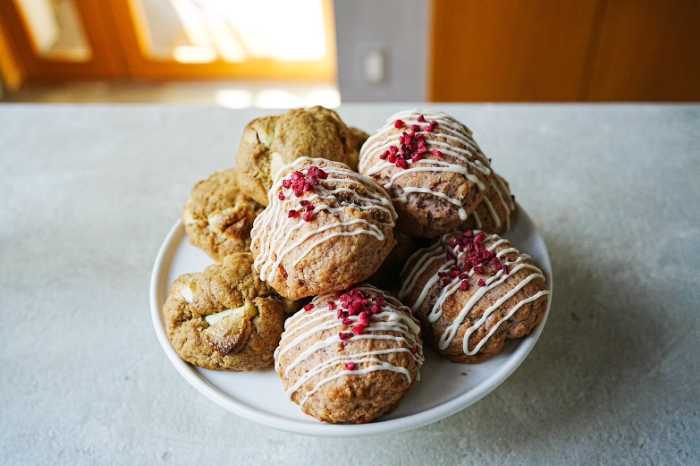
(465, 161)
(394, 324)
(499, 189)
(422, 259)
(274, 229)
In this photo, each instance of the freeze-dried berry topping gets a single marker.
(355, 310)
(301, 182)
(412, 147)
(470, 257)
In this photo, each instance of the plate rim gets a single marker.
(413, 421)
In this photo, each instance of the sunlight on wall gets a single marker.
(277, 98)
(197, 31)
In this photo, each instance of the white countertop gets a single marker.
(89, 192)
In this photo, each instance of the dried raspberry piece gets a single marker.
(437, 154)
(351, 366)
(401, 163)
(421, 118)
(308, 216)
(482, 282)
(398, 124)
(363, 318)
(331, 305)
(344, 336)
(464, 285)
(309, 307)
(358, 329)
(292, 214)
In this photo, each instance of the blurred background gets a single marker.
(277, 53)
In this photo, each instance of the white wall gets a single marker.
(399, 28)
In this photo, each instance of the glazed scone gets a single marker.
(218, 217)
(224, 317)
(351, 357)
(473, 292)
(324, 229)
(431, 166)
(387, 277)
(271, 142)
(493, 214)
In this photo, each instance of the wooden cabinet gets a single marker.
(577, 50)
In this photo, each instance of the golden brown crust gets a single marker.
(218, 217)
(313, 363)
(347, 239)
(244, 339)
(516, 302)
(271, 142)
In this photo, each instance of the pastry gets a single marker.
(431, 166)
(473, 292)
(350, 357)
(218, 217)
(324, 229)
(271, 142)
(224, 317)
(493, 213)
(387, 277)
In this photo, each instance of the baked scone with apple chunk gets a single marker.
(225, 317)
(218, 217)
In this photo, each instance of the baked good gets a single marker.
(350, 357)
(324, 229)
(493, 213)
(358, 138)
(271, 142)
(224, 317)
(473, 292)
(431, 166)
(218, 217)
(387, 277)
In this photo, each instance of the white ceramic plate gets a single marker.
(445, 388)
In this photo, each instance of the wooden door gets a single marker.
(574, 50)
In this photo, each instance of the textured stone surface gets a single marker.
(89, 192)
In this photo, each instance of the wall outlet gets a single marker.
(374, 64)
